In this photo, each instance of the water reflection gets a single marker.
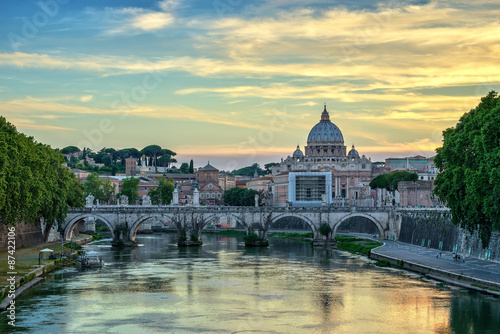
(224, 288)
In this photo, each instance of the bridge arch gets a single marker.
(70, 225)
(358, 214)
(307, 220)
(135, 225)
(207, 220)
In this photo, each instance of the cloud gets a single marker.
(86, 98)
(152, 21)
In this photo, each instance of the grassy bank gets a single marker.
(355, 244)
(292, 235)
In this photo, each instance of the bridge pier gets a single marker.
(121, 237)
(189, 233)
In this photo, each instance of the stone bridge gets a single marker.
(124, 221)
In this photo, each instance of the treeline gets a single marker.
(254, 169)
(114, 160)
(34, 183)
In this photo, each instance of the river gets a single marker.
(222, 287)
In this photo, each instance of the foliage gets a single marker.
(101, 189)
(325, 230)
(130, 188)
(191, 167)
(70, 150)
(357, 245)
(184, 168)
(240, 197)
(390, 181)
(268, 167)
(469, 166)
(252, 239)
(163, 193)
(249, 170)
(34, 183)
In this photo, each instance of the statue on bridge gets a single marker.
(89, 201)
(146, 200)
(124, 200)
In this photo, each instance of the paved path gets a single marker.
(473, 267)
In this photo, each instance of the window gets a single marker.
(218, 195)
(202, 195)
(213, 195)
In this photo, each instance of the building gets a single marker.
(208, 185)
(325, 152)
(130, 166)
(309, 188)
(415, 194)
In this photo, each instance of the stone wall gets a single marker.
(28, 234)
(429, 230)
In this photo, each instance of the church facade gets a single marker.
(325, 152)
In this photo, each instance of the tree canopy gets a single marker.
(101, 189)
(469, 166)
(130, 188)
(34, 183)
(163, 193)
(240, 196)
(249, 170)
(390, 180)
(70, 150)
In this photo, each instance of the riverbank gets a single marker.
(28, 271)
(471, 273)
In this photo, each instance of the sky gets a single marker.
(235, 82)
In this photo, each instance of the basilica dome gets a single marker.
(353, 153)
(325, 131)
(298, 153)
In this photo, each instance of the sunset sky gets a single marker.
(237, 82)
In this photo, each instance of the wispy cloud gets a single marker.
(86, 98)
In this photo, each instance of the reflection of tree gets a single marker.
(474, 314)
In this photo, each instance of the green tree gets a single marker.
(34, 184)
(191, 167)
(152, 151)
(469, 166)
(101, 189)
(325, 230)
(390, 181)
(268, 167)
(240, 196)
(250, 170)
(130, 188)
(163, 193)
(70, 150)
(184, 168)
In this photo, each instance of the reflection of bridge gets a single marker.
(124, 221)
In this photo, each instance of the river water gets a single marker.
(222, 287)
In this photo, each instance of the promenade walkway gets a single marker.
(481, 271)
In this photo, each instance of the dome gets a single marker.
(325, 131)
(298, 153)
(353, 153)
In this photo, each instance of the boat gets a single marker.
(90, 260)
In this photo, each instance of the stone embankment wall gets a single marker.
(28, 234)
(430, 229)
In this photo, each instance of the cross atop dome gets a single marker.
(325, 116)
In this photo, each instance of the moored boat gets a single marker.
(90, 259)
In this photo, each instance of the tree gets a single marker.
(130, 188)
(469, 169)
(152, 151)
(34, 184)
(163, 193)
(240, 196)
(250, 170)
(325, 230)
(184, 168)
(101, 189)
(70, 150)
(191, 167)
(268, 167)
(390, 180)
